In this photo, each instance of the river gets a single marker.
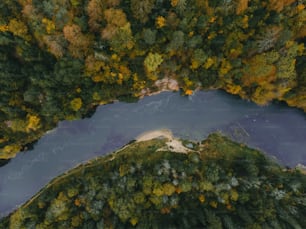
(276, 129)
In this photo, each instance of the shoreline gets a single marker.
(149, 135)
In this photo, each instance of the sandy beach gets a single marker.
(173, 144)
(165, 133)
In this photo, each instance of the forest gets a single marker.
(60, 59)
(217, 184)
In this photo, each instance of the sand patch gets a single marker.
(173, 144)
(164, 133)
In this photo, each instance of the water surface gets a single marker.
(275, 129)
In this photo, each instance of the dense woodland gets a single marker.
(220, 184)
(59, 59)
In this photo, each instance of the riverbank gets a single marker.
(141, 185)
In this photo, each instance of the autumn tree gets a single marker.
(33, 122)
(278, 5)
(55, 45)
(160, 22)
(49, 25)
(9, 151)
(242, 5)
(79, 43)
(115, 18)
(72, 33)
(95, 13)
(112, 3)
(76, 104)
(258, 70)
(28, 10)
(18, 28)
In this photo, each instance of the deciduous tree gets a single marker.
(142, 9)
(95, 13)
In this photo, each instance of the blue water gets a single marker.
(278, 130)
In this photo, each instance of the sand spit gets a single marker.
(173, 144)
(164, 133)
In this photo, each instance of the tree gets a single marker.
(123, 39)
(79, 43)
(76, 104)
(149, 36)
(33, 122)
(177, 41)
(152, 61)
(72, 33)
(269, 38)
(160, 22)
(278, 5)
(112, 3)
(9, 151)
(141, 9)
(116, 19)
(50, 26)
(199, 58)
(55, 44)
(258, 71)
(48, 8)
(95, 13)
(58, 209)
(179, 5)
(18, 28)
(242, 5)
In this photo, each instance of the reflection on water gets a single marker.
(278, 130)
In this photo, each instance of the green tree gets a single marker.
(149, 36)
(177, 41)
(142, 9)
(123, 39)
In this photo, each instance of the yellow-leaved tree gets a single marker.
(33, 122)
(152, 61)
(9, 151)
(50, 26)
(76, 104)
(18, 28)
